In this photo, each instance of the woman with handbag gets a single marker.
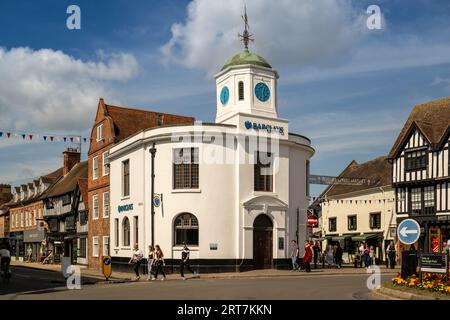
(159, 262)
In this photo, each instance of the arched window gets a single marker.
(126, 232)
(241, 90)
(186, 229)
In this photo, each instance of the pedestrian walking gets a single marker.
(366, 256)
(330, 256)
(294, 253)
(150, 259)
(361, 254)
(185, 255)
(159, 263)
(316, 249)
(372, 256)
(338, 255)
(307, 256)
(391, 253)
(136, 260)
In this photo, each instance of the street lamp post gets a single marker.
(153, 152)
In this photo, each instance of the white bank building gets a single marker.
(236, 191)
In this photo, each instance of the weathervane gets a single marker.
(246, 36)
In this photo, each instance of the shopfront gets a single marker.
(32, 242)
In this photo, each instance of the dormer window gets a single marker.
(100, 132)
(416, 160)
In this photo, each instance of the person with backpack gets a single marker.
(159, 262)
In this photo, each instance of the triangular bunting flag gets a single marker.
(8, 134)
(23, 136)
(31, 136)
(51, 138)
(45, 138)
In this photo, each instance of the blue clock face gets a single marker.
(224, 95)
(262, 92)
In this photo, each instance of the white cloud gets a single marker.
(287, 32)
(50, 90)
(438, 81)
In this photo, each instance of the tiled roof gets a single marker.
(377, 172)
(432, 119)
(83, 185)
(68, 182)
(52, 177)
(128, 121)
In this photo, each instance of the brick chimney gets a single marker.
(71, 158)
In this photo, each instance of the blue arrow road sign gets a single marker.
(408, 231)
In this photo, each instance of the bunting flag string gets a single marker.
(32, 136)
(358, 201)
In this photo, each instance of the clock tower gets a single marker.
(247, 85)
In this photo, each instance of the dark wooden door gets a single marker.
(262, 242)
(262, 249)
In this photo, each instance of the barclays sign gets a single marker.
(265, 127)
(126, 207)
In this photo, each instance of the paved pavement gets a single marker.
(127, 276)
(347, 283)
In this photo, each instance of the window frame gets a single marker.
(267, 180)
(241, 92)
(126, 176)
(95, 209)
(371, 221)
(416, 163)
(192, 226)
(124, 235)
(105, 163)
(330, 229)
(105, 243)
(105, 205)
(94, 168)
(100, 136)
(95, 255)
(185, 174)
(350, 226)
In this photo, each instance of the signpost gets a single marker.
(107, 267)
(408, 231)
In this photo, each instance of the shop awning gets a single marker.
(365, 236)
(340, 238)
(325, 238)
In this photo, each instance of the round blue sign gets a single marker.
(107, 261)
(408, 231)
(156, 201)
(224, 95)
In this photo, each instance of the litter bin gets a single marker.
(409, 264)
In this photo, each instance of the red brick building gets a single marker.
(111, 125)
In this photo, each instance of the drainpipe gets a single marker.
(153, 152)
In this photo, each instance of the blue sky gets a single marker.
(348, 88)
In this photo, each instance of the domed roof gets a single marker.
(246, 57)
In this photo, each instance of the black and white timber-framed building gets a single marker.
(420, 172)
